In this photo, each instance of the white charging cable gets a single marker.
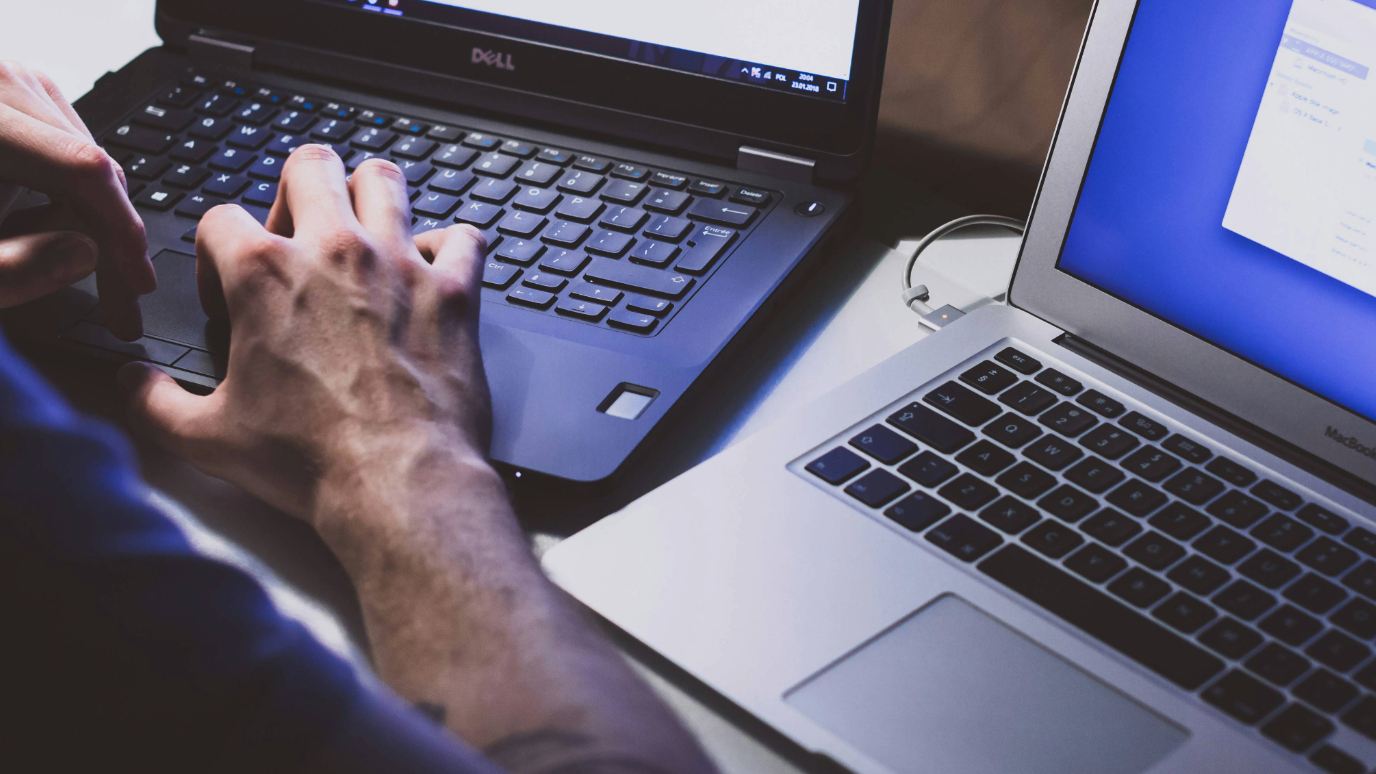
(916, 298)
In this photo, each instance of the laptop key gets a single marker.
(1018, 361)
(1362, 717)
(968, 493)
(1147, 428)
(589, 292)
(1028, 398)
(1053, 539)
(538, 173)
(1069, 420)
(197, 205)
(1109, 442)
(231, 160)
(1143, 640)
(1137, 498)
(495, 165)
(707, 188)
(454, 157)
(931, 428)
(630, 172)
(708, 245)
(1095, 563)
(1282, 533)
(1154, 551)
(1338, 651)
(522, 224)
(1325, 520)
(1012, 431)
(624, 192)
(1278, 665)
(1027, 480)
(414, 148)
(1358, 617)
(1314, 594)
(1184, 613)
(1297, 728)
(1231, 472)
(1361, 539)
(667, 202)
(588, 311)
(877, 489)
(262, 194)
(455, 182)
(555, 156)
(989, 379)
(964, 538)
(1010, 515)
(481, 141)
(656, 307)
(962, 404)
(531, 297)
(1244, 600)
(1111, 527)
(1199, 575)
(1277, 495)
(884, 445)
(158, 199)
(226, 186)
(1188, 450)
(479, 214)
(1052, 452)
(1180, 521)
(1269, 569)
(918, 511)
(1290, 625)
(563, 261)
(1068, 504)
(581, 183)
(1094, 475)
(669, 180)
(1245, 698)
(929, 470)
(1224, 546)
(192, 151)
(1237, 509)
(1101, 404)
(1362, 580)
(499, 275)
(1335, 761)
(632, 321)
(1328, 557)
(1059, 382)
(519, 149)
(624, 218)
(374, 119)
(837, 466)
(522, 252)
(609, 243)
(1326, 690)
(668, 228)
(727, 214)
(985, 458)
(1151, 464)
(551, 283)
(1194, 486)
(1231, 639)
(435, 205)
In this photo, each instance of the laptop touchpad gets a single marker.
(953, 690)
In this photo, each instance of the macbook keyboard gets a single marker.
(592, 239)
(1219, 579)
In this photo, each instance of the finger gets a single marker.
(159, 409)
(35, 265)
(313, 197)
(55, 94)
(226, 235)
(383, 207)
(44, 217)
(21, 89)
(73, 170)
(457, 254)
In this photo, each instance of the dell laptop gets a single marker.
(648, 175)
(1126, 523)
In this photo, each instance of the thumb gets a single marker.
(158, 408)
(34, 265)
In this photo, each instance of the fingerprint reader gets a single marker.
(628, 401)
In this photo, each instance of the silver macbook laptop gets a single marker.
(1124, 524)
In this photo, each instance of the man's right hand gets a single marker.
(91, 224)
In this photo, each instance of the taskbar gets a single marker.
(755, 74)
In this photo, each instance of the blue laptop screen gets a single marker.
(1232, 190)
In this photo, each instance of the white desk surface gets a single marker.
(845, 320)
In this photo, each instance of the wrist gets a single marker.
(384, 503)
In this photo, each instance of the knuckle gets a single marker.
(348, 246)
(12, 71)
(473, 233)
(90, 163)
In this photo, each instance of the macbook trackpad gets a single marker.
(952, 690)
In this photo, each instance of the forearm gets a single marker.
(460, 616)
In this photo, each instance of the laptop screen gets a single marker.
(1232, 189)
(803, 47)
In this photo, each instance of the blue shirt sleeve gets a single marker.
(121, 644)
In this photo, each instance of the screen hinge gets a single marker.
(776, 164)
(220, 56)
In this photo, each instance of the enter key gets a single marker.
(708, 245)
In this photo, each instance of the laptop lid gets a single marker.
(799, 78)
(1208, 212)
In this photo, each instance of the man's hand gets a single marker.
(355, 398)
(91, 224)
(351, 340)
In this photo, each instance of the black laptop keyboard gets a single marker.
(1190, 563)
(588, 238)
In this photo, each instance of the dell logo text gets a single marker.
(493, 59)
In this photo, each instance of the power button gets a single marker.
(810, 209)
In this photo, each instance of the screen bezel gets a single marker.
(1255, 395)
(776, 118)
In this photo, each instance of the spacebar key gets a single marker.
(1102, 617)
(653, 281)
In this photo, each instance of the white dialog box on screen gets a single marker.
(1307, 187)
